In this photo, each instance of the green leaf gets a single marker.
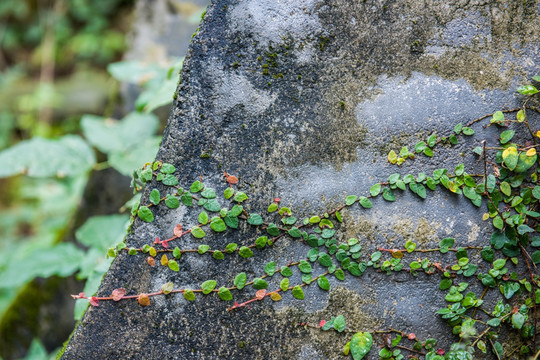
(189, 295)
(272, 207)
(261, 242)
(498, 118)
(432, 140)
(196, 187)
(351, 199)
(494, 322)
(224, 294)
(173, 265)
(208, 286)
(360, 345)
(245, 252)
(102, 232)
(323, 283)
(459, 169)
(240, 280)
(445, 244)
(286, 271)
(375, 190)
(198, 232)
(186, 199)
(145, 214)
(445, 284)
(170, 180)
(517, 320)
(506, 136)
(510, 157)
(339, 323)
(155, 196)
(259, 284)
(468, 131)
(177, 253)
(218, 255)
(37, 157)
(230, 248)
(498, 222)
(295, 232)
(217, 224)
(240, 196)
(457, 128)
(297, 292)
(325, 259)
(525, 162)
(212, 205)
(536, 257)
(172, 202)
(273, 229)
(255, 219)
(305, 267)
(506, 189)
(527, 90)
(284, 284)
(509, 289)
(270, 268)
(365, 202)
(167, 168)
(388, 195)
(208, 193)
(203, 218)
(487, 254)
(236, 210)
(228, 193)
(339, 274)
(203, 248)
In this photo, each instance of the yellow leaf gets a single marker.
(538, 133)
(164, 260)
(143, 299)
(275, 296)
(485, 216)
(392, 156)
(531, 152)
(397, 254)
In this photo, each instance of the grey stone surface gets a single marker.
(347, 81)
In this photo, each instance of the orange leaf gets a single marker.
(118, 294)
(143, 299)
(260, 294)
(231, 179)
(164, 260)
(178, 230)
(151, 261)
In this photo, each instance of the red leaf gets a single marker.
(178, 230)
(94, 301)
(143, 299)
(411, 336)
(440, 352)
(260, 294)
(321, 323)
(231, 179)
(277, 200)
(156, 241)
(165, 244)
(151, 261)
(118, 294)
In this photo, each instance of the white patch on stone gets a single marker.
(271, 20)
(234, 89)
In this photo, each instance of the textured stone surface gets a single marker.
(347, 81)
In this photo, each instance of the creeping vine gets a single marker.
(507, 187)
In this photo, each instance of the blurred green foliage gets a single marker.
(49, 52)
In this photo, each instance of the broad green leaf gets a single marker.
(172, 202)
(297, 292)
(284, 284)
(102, 232)
(375, 190)
(203, 218)
(510, 157)
(339, 323)
(196, 187)
(212, 205)
(228, 193)
(339, 274)
(323, 283)
(136, 156)
(37, 157)
(518, 319)
(365, 202)
(255, 219)
(173, 265)
(388, 195)
(224, 294)
(525, 162)
(270, 268)
(506, 189)
(208, 286)
(145, 214)
(259, 284)
(527, 90)
(208, 193)
(218, 255)
(240, 280)
(189, 295)
(155, 196)
(295, 232)
(240, 196)
(198, 232)
(218, 225)
(245, 252)
(360, 345)
(351, 199)
(468, 131)
(506, 136)
(536, 257)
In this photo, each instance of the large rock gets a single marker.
(303, 100)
